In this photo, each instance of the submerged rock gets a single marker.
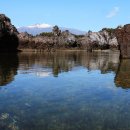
(4, 116)
(7, 122)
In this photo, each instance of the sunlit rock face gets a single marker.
(8, 35)
(123, 36)
(103, 38)
(68, 39)
(123, 75)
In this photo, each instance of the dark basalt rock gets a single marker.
(123, 37)
(8, 35)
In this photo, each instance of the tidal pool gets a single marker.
(66, 90)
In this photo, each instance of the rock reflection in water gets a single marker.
(8, 68)
(84, 98)
(122, 78)
(64, 61)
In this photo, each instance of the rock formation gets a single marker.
(47, 41)
(8, 35)
(57, 39)
(103, 39)
(107, 38)
(123, 36)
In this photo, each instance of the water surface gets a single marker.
(69, 90)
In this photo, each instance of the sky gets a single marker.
(79, 14)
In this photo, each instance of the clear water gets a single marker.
(64, 91)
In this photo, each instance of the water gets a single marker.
(64, 91)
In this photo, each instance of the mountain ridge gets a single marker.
(39, 28)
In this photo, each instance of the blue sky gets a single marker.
(80, 14)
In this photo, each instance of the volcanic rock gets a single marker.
(8, 35)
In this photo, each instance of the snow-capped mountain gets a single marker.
(44, 25)
(39, 28)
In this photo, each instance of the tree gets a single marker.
(56, 31)
(119, 27)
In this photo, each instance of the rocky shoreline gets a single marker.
(65, 40)
(107, 38)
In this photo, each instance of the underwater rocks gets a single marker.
(8, 35)
(7, 122)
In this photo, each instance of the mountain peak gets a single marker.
(39, 28)
(43, 25)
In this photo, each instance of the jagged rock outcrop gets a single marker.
(57, 39)
(24, 39)
(103, 39)
(47, 41)
(68, 39)
(8, 35)
(39, 42)
(107, 38)
(123, 37)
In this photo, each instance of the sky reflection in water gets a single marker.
(64, 91)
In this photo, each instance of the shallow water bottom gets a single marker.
(64, 91)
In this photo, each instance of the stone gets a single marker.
(123, 37)
(104, 39)
(8, 35)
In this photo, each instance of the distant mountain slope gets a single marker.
(39, 28)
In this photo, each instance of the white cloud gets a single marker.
(113, 12)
